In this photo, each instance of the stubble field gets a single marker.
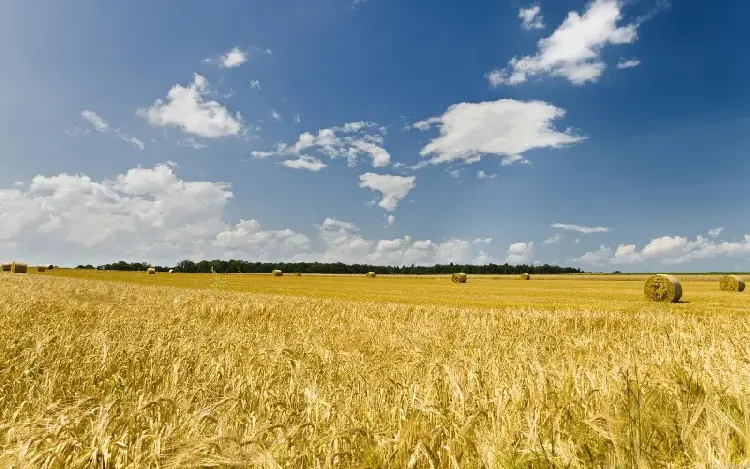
(108, 369)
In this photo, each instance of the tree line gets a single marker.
(246, 267)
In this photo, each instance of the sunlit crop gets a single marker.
(104, 369)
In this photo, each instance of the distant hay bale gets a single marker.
(525, 277)
(459, 278)
(18, 267)
(297, 274)
(277, 273)
(151, 270)
(371, 275)
(171, 271)
(732, 283)
(41, 268)
(664, 288)
(50, 267)
(6, 267)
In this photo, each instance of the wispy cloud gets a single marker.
(581, 229)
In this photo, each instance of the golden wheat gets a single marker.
(111, 374)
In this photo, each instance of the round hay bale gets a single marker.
(50, 267)
(18, 267)
(151, 270)
(277, 273)
(6, 267)
(459, 278)
(171, 271)
(732, 283)
(371, 275)
(41, 268)
(525, 277)
(297, 274)
(664, 288)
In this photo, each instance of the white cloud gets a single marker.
(297, 118)
(669, 250)
(390, 219)
(192, 143)
(622, 63)
(512, 159)
(505, 128)
(143, 213)
(714, 232)
(600, 256)
(349, 141)
(344, 243)
(99, 124)
(132, 140)
(150, 214)
(483, 259)
(577, 241)
(234, 58)
(482, 175)
(581, 229)
(268, 52)
(520, 253)
(185, 107)
(625, 254)
(482, 241)
(255, 84)
(455, 173)
(574, 50)
(305, 162)
(275, 115)
(247, 236)
(554, 240)
(393, 188)
(531, 18)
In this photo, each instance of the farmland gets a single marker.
(121, 369)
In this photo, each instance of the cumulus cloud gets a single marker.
(506, 128)
(255, 84)
(392, 188)
(622, 63)
(669, 250)
(350, 141)
(186, 107)
(482, 175)
(144, 212)
(344, 243)
(574, 50)
(234, 58)
(275, 115)
(531, 18)
(600, 256)
(389, 220)
(248, 237)
(581, 229)
(482, 241)
(714, 232)
(305, 162)
(554, 240)
(520, 253)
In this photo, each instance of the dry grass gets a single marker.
(556, 374)
(732, 283)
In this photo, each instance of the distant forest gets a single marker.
(245, 267)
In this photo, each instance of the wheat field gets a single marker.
(129, 370)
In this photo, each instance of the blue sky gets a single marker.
(603, 134)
